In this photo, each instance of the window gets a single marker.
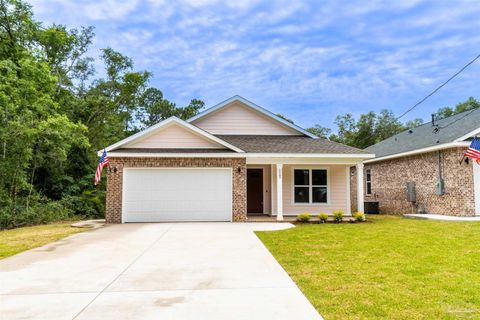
(368, 181)
(310, 186)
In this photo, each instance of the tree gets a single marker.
(370, 128)
(154, 108)
(320, 131)
(470, 104)
(284, 118)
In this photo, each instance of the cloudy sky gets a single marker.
(308, 60)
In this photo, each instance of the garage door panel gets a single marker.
(202, 194)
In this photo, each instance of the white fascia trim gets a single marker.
(312, 155)
(255, 107)
(468, 135)
(241, 155)
(424, 150)
(166, 122)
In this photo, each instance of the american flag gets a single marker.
(473, 151)
(102, 162)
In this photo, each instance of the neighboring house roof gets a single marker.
(448, 132)
(288, 144)
(255, 107)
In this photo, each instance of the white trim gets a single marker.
(348, 210)
(177, 168)
(310, 186)
(242, 154)
(255, 107)
(263, 188)
(423, 150)
(476, 186)
(271, 189)
(167, 122)
(360, 191)
(279, 168)
(468, 135)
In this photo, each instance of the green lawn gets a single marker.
(21, 239)
(392, 268)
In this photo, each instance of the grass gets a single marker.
(392, 268)
(17, 240)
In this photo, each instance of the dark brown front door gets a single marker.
(255, 191)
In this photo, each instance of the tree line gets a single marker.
(56, 112)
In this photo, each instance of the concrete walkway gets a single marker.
(441, 217)
(153, 271)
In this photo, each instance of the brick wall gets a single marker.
(113, 212)
(389, 179)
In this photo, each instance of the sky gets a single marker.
(308, 60)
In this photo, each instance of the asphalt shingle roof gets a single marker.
(287, 144)
(426, 135)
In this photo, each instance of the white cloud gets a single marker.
(309, 60)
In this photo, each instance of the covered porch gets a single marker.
(283, 187)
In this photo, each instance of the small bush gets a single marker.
(304, 217)
(338, 215)
(359, 216)
(323, 217)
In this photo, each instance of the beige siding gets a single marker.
(174, 136)
(238, 118)
(337, 191)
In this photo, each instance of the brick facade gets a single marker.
(113, 212)
(389, 179)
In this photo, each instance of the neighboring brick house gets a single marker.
(430, 157)
(230, 162)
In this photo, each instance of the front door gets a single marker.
(255, 191)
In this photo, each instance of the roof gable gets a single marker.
(172, 133)
(175, 136)
(240, 116)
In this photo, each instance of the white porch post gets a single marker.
(349, 200)
(360, 198)
(279, 167)
(476, 186)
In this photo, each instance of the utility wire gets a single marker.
(456, 120)
(439, 87)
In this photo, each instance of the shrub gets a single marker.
(359, 216)
(304, 217)
(323, 217)
(338, 215)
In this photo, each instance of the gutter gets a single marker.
(443, 146)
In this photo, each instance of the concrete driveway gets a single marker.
(153, 271)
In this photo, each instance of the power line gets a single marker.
(456, 120)
(439, 87)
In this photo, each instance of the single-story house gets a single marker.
(422, 170)
(227, 163)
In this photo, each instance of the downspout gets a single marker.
(440, 187)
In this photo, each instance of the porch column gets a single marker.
(279, 192)
(360, 198)
(349, 200)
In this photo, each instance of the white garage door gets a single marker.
(179, 194)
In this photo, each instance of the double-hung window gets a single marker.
(310, 186)
(368, 181)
